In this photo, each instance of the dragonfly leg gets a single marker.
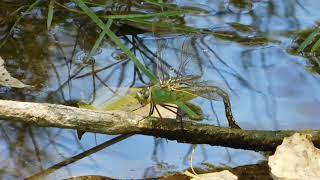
(167, 108)
(138, 108)
(232, 122)
(152, 106)
(167, 105)
(155, 107)
(177, 113)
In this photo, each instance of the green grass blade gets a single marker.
(166, 26)
(116, 40)
(98, 41)
(50, 14)
(316, 46)
(160, 4)
(145, 16)
(309, 39)
(135, 60)
(141, 16)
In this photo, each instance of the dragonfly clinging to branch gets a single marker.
(181, 90)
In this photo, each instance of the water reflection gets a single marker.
(269, 88)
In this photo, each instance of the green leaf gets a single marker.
(145, 16)
(167, 26)
(50, 14)
(98, 41)
(116, 40)
(308, 40)
(316, 46)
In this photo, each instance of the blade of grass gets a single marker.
(141, 16)
(98, 41)
(116, 40)
(50, 13)
(136, 61)
(144, 16)
(160, 4)
(309, 39)
(181, 29)
(316, 46)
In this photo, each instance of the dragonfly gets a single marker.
(181, 90)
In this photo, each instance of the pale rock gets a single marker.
(222, 175)
(296, 158)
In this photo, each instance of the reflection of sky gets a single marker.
(131, 158)
(281, 95)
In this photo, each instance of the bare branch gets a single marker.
(119, 122)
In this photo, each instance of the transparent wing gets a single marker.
(207, 89)
(177, 57)
(190, 57)
(210, 92)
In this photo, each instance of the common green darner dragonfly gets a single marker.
(181, 90)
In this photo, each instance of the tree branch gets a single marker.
(119, 122)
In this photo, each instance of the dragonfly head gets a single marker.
(143, 95)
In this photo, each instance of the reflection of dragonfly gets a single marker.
(181, 90)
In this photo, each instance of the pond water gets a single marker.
(270, 89)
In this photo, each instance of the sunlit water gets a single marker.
(269, 89)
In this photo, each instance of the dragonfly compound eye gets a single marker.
(143, 95)
(139, 96)
(146, 93)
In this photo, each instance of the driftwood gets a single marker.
(119, 122)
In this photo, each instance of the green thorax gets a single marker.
(160, 95)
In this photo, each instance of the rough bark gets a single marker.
(119, 122)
